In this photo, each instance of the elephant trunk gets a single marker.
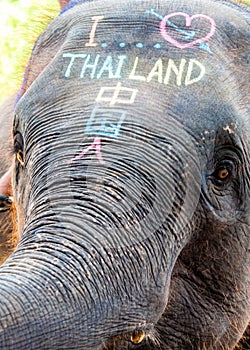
(52, 296)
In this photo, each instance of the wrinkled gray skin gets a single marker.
(134, 228)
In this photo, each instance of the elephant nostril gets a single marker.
(137, 337)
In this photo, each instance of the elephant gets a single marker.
(129, 181)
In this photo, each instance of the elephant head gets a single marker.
(131, 180)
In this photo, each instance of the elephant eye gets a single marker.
(223, 173)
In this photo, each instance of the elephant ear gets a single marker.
(63, 3)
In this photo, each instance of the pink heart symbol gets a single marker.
(189, 20)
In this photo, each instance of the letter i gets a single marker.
(96, 20)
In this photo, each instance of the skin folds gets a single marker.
(131, 181)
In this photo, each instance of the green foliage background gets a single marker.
(21, 21)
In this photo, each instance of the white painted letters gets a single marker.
(120, 66)
(96, 20)
(92, 66)
(189, 80)
(175, 72)
(132, 74)
(156, 71)
(72, 57)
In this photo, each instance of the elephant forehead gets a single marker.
(117, 60)
(162, 25)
